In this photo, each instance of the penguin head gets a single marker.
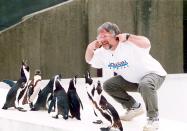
(73, 83)
(56, 83)
(37, 76)
(25, 71)
(88, 79)
(37, 72)
(57, 77)
(99, 88)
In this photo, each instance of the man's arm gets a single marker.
(140, 41)
(90, 50)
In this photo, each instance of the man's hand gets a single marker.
(98, 44)
(140, 41)
(95, 45)
(91, 48)
(122, 37)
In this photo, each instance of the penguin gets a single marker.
(88, 79)
(102, 106)
(59, 101)
(98, 109)
(109, 109)
(16, 92)
(33, 89)
(45, 95)
(74, 99)
(98, 112)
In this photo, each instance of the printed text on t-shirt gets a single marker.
(117, 65)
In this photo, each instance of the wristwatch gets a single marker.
(127, 36)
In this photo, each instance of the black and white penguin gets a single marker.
(107, 108)
(102, 108)
(91, 92)
(59, 101)
(16, 92)
(34, 88)
(88, 79)
(74, 100)
(45, 95)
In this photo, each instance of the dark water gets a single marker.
(11, 11)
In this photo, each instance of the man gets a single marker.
(135, 69)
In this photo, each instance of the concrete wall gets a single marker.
(160, 21)
(55, 39)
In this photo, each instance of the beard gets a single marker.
(107, 46)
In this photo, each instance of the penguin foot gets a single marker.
(71, 116)
(56, 116)
(31, 105)
(33, 109)
(78, 118)
(5, 107)
(117, 127)
(65, 117)
(21, 109)
(105, 129)
(98, 122)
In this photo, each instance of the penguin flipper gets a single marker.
(52, 104)
(39, 92)
(11, 83)
(50, 98)
(105, 115)
(21, 94)
(95, 113)
(89, 96)
(80, 101)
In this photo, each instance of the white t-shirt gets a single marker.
(127, 60)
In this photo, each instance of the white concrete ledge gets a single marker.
(172, 104)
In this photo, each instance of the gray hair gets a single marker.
(109, 27)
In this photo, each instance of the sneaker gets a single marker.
(131, 113)
(152, 124)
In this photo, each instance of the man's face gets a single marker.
(106, 38)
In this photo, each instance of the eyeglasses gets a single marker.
(103, 36)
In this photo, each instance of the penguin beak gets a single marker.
(24, 62)
(59, 77)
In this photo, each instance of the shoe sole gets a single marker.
(129, 119)
(148, 129)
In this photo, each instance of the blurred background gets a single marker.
(53, 34)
